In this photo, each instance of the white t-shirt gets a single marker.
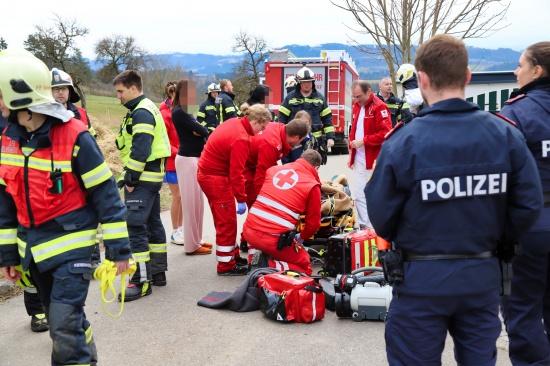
(359, 134)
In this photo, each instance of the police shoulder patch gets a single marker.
(512, 100)
(506, 119)
(391, 132)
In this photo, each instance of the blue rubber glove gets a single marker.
(299, 239)
(241, 207)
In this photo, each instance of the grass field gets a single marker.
(106, 110)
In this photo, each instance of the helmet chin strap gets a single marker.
(30, 115)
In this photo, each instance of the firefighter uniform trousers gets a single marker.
(224, 212)
(286, 259)
(69, 328)
(146, 232)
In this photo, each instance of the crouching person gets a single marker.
(55, 188)
(288, 191)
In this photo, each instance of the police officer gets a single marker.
(526, 311)
(57, 189)
(306, 97)
(398, 108)
(207, 115)
(144, 146)
(225, 105)
(449, 189)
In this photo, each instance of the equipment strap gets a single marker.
(411, 257)
(106, 273)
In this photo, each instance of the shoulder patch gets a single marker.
(506, 119)
(397, 126)
(512, 100)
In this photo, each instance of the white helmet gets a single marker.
(24, 80)
(404, 73)
(59, 78)
(305, 74)
(213, 88)
(290, 82)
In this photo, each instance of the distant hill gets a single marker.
(481, 59)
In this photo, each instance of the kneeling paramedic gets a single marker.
(55, 190)
(270, 224)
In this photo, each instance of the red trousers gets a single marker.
(286, 259)
(224, 212)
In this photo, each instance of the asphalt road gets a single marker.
(168, 328)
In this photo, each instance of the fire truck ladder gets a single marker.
(333, 88)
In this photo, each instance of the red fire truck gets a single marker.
(334, 72)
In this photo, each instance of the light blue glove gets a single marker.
(241, 207)
(299, 239)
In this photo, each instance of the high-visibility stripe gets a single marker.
(224, 259)
(14, 160)
(325, 112)
(285, 111)
(141, 257)
(210, 107)
(281, 266)
(229, 109)
(271, 217)
(151, 176)
(65, 243)
(328, 129)
(136, 165)
(225, 248)
(143, 128)
(278, 206)
(76, 150)
(201, 114)
(21, 247)
(157, 248)
(2, 182)
(97, 176)
(88, 333)
(35, 163)
(114, 230)
(313, 305)
(8, 236)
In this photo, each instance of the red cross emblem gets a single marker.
(285, 179)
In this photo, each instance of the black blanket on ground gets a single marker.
(245, 297)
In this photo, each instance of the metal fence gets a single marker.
(491, 101)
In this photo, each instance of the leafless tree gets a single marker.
(159, 70)
(119, 53)
(398, 27)
(56, 46)
(247, 73)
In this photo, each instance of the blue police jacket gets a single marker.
(530, 109)
(455, 180)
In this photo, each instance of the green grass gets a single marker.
(107, 110)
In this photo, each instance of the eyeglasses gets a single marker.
(357, 96)
(60, 88)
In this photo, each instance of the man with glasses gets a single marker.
(371, 122)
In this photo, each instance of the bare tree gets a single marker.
(398, 27)
(119, 53)
(159, 70)
(56, 46)
(247, 73)
(3, 44)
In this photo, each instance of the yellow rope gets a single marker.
(106, 273)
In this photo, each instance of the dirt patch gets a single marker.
(8, 291)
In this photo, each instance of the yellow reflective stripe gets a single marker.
(143, 128)
(325, 112)
(27, 151)
(2, 182)
(136, 165)
(11, 159)
(21, 247)
(92, 131)
(203, 123)
(97, 176)
(157, 248)
(151, 177)
(201, 114)
(114, 230)
(76, 149)
(141, 257)
(36, 163)
(211, 128)
(284, 111)
(88, 333)
(328, 129)
(230, 109)
(317, 134)
(8, 236)
(64, 244)
(210, 107)
(305, 100)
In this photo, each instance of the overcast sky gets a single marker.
(209, 26)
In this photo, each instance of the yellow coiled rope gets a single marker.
(106, 274)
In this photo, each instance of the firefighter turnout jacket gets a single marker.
(400, 110)
(288, 191)
(81, 114)
(315, 105)
(57, 187)
(207, 115)
(143, 143)
(226, 107)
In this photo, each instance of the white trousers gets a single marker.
(360, 177)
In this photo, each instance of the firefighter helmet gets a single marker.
(25, 80)
(404, 73)
(290, 82)
(213, 88)
(305, 74)
(61, 78)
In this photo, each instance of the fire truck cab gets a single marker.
(334, 73)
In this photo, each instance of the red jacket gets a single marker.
(266, 148)
(226, 151)
(289, 190)
(25, 182)
(172, 134)
(377, 124)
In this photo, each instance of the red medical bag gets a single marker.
(290, 296)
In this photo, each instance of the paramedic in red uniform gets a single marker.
(289, 191)
(220, 175)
